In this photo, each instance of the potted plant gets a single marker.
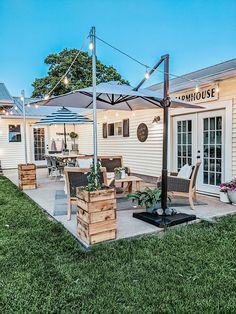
(224, 193)
(231, 191)
(96, 210)
(149, 198)
(74, 136)
(119, 173)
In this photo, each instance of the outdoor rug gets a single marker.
(60, 207)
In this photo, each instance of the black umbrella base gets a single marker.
(162, 221)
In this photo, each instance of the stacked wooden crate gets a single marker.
(27, 176)
(96, 215)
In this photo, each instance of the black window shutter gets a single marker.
(104, 130)
(126, 128)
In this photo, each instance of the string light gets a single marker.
(65, 80)
(46, 97)
(91, 46)
(197, 89)
(147, 75)
(133, 114)
(217, 89)
(28, 105)
(36, 106)
(21, 98)
(16, 108)
(11, 112)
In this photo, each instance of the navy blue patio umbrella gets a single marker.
(63, 116)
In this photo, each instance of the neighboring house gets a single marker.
(208, 134)
(39, 139)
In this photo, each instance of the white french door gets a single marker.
(201, 136)
(39, 145)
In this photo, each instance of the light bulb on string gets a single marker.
(36, 106)
(7, 113)
(16, 108)
(217, 89)
(46, 97)
(11, 112)
(21, 98)
(196, 89)
(133, 114)
(28, 105)
(65, 80)
(147, 75)
(91, 46)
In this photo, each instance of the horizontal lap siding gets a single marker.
(11, 154)
(144, 158)
(228, 92)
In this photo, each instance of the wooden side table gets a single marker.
(132, 184)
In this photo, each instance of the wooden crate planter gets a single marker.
(27, 176)
(96, 215)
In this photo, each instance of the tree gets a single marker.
(79, 76)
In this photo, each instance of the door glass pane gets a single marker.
(212, 150)
(39, 144)
(184, 143)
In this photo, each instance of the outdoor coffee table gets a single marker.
(131, 184)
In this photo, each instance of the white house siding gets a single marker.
(12, 154)
(143, 158)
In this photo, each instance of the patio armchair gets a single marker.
(179, 186)
(112, 162)
(57, 167)
(78, 177)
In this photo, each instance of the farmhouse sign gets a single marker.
(204, 94)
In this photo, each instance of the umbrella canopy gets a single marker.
(63, 116)
(113, 95)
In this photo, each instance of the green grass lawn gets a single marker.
(45, 270)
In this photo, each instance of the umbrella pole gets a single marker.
(65, 136)
(93, 41)
(166, 104)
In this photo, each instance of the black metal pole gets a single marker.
(166, 104)
(65, 136)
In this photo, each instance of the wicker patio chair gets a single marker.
(183, 187)
(78, 177)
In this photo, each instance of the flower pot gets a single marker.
(232, 197)
(224, 197)
(123, 175)
(118, 176)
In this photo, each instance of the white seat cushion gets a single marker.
(185, 172)
(85, 163)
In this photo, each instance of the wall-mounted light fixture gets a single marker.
(156, 119)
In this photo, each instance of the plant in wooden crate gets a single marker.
(96, 209)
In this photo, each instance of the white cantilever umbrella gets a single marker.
(112, 95)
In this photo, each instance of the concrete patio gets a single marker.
(207, 208)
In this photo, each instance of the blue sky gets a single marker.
(195, 33)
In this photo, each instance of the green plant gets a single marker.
(148, 198)
(73, 136)
(118, 170)
(94, 179)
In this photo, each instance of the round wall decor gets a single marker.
(142, 132)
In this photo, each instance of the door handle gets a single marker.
(198, 154)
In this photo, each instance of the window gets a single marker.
(14, 133)
(115, 129)
(120, 128)
(184, 143)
